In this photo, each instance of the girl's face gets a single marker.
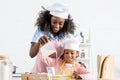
(70, 55)
(57, 24)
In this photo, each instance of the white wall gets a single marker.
(17, 19)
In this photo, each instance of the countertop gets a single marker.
(110, 79)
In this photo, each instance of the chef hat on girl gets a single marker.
(71, 44)
(58, 10)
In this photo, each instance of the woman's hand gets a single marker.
(35, 46)
(82, 64)
(76, 76)
(43, 40)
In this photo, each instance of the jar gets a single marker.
(5, 68)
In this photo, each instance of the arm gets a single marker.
(49, 61)
(82, 73)
(34, 49)
(82, 64)
(87, 76)
(36, 46)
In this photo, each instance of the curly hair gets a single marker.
(44, 19)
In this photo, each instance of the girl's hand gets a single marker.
(43, 40)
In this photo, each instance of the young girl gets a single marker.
(66, 64)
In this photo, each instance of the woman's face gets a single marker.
(57, 24)
(70, 55)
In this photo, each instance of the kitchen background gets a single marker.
(100, 17)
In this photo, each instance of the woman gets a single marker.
(66, 63)
(54, 23)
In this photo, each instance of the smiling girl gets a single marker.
(66, 64)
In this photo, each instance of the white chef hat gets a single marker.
(58, 10)
(71, 44)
